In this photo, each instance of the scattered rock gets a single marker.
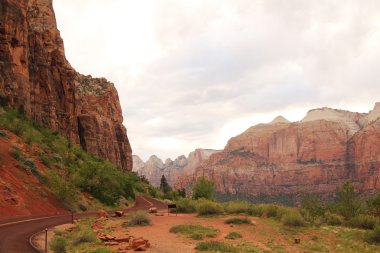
(119, 213)
(101, 213)
(152, 210)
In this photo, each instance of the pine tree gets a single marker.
(164, 186)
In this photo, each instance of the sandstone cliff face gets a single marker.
(315, 155)
(37, 79)
(154, 168)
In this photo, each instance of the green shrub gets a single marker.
(270, 210)
(139, 218)
(196, 232)
(293, 219)
(238, 221)
(203, 188)
(333, 219)
(374, 235)
(17, 153)
(4, 135)
(186, 205)
(84, 235)
(255, 210)
(233, 236)
(58, 245)
(348, 202)
(208, 207)
(236, 207)
(216, 246)
(363, 221)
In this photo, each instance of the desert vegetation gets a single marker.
(68, 168)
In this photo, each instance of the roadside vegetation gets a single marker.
(68, 169)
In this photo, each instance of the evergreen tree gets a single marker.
(164, 186)
(348, 202)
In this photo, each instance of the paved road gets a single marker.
(15, 232)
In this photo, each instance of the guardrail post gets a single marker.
(46, 238)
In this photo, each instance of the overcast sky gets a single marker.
(194, 73)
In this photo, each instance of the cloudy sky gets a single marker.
(193, 73)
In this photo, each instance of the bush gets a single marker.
(17, 153)
(233, 236)
(270, 210)
(374, 235)
(85, 235)
(348, 201)
(363, 221)
(216, 246)
(139, 218)
(236, 207)
(208, 207)
(238, 221)
(203, 188)
(186, 205)
(196, 232)
(293, 219)
(4, 135)
(58, 245)
(255, 210)
(333, 219)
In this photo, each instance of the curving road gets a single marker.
(15, 232)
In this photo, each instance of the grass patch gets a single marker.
(58, 245)
(293, 219)
(207, 207)
(139, 218)
(363, 221)
(373, 236)
(233, 235)
(196, 232)
(236, 207)
(238, 221)
(216, 246)
(85, 235)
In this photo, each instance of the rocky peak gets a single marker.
(371, 116)
(36, 77)
(350, 119)
(279, 119)
(154, 168)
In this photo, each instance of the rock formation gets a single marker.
(315, 155)
(36, 78)
(154, 168)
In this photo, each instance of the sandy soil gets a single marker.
(259, 234)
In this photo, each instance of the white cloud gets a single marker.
(194, 73)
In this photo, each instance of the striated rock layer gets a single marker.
(37, 79)
(154, 168)
(315, 155)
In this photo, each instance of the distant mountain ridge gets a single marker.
(314, 155)
(154, 167)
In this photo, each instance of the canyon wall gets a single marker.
(37, 79)
(315, 155)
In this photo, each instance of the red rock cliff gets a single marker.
(315, 155)
(37, 79)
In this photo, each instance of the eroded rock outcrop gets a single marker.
(37, 79)
(315, 155)
(154, 167)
